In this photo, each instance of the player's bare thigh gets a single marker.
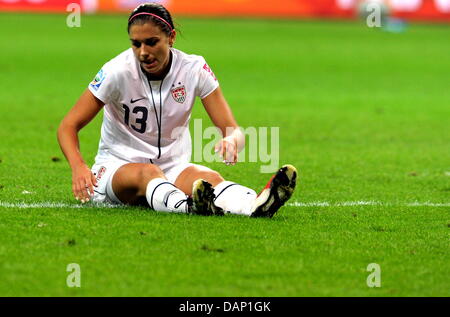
(189, 175)
(129, 182)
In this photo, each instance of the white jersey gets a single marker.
(145, 120)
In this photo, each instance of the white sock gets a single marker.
(234, 198)
(164, 196)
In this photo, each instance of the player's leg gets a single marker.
(228, 196)
(275, 194)
(193, 172)
(238, 199)
(146, 184)
(196, 181)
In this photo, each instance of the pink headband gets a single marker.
(154, 15)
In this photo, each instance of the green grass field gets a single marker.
(363, 114)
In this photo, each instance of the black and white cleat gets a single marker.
(277, 191)
(202, 200)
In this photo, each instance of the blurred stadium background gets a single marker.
(370, 111)
(424, 10)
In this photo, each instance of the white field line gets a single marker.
(293, 204)
(53, 205)
(365, 203)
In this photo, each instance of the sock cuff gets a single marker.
(152, 186)
(221, 187)
(234, 198)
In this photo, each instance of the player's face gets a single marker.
(151, 46)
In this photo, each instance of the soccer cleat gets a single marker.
(277, 191)
(202, 200)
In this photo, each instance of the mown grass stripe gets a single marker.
(365, 203)
(292, 204)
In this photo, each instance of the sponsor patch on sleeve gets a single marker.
(98, 80)
(208, 69)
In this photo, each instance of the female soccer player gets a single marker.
(147, 93)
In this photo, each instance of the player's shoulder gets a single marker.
(193, 64)
(189, 60)
(121, 65)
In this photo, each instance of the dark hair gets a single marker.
(153, 8)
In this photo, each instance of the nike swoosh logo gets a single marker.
(166, 197)
(133, 101)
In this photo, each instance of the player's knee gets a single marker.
(212, 177)
(149, 171)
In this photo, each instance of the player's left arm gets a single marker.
(219, 111)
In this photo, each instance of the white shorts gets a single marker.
(104, 171)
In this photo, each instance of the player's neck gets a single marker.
(163, 74)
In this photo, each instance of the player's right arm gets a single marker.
(85, 109)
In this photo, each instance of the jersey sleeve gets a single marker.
(104, 85)
(207, 81)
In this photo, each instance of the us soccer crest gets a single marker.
(179, 94)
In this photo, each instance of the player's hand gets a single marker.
(83, 182)
(227, 149)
